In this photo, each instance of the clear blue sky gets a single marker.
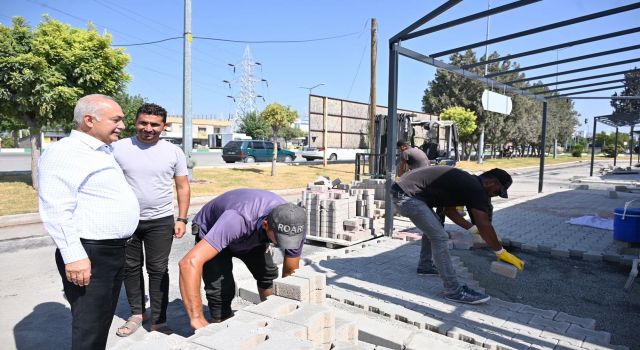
(342, 64)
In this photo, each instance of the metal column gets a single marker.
(391, 136)
(615, 149)
(543, 142)
(593, 146)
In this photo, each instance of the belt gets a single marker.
(111, 242)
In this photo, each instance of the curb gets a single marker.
(196, 202)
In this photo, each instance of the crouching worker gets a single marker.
(417, 192)
(240, 223)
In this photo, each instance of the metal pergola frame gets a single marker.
(412, 31)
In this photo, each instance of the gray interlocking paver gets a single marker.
(395, 292)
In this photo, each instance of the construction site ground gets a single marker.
(569, 296)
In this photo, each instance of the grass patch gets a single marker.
(18, 196)
(219, 180)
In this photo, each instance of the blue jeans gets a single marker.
(434, 237)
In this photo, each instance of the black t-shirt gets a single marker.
(445, 186)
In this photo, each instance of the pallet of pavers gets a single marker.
(342, 216)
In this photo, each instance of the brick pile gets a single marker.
(346, 213)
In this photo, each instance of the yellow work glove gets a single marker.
(504, 255)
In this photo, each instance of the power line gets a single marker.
(246, 41)
(147, 43)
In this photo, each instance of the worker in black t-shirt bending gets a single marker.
(416, 194)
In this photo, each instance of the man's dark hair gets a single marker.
(402, 143)
(152, 109)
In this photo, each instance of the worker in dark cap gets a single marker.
(416, 194)
(240, 223)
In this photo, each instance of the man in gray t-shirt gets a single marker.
(410, 158)
(152, 166)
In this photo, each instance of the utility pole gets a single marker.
(187, 135)
(372, 96)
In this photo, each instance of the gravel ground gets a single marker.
(577, 287)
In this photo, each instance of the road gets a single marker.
(20, 162)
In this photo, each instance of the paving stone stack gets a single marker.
(343, 213)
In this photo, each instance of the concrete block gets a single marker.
(313, 317)
(504, 269)
(317, 297)
(279, 343)
(582, 187)
(292, 287)
(341, 345)
(589, 336)
(421, 340)
(613, 194)
(382, 334)
(621, 188)
(550, 314)
(587, 323)
(248, 290)
(232, 338)
(271, 324)
(592, 256)
(549, 324)
(274, 306)
(560, 252)
(346, 330)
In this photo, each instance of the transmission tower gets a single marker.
(246, 100)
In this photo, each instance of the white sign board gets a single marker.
(494, 102)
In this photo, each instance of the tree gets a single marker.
(255, 126)
(465, 119)
(130, 105)
(277, 116)
(44, 71)
(631, 88)
(288, 133)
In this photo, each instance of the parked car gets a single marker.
(315, 153)
(250, 151)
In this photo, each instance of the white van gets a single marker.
(315, 153)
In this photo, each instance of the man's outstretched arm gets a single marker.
(190, 277)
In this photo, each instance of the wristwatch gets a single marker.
(185, 220)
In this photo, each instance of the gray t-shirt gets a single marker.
(150, 171)
(415, 158)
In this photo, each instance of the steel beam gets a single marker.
(555, 47)
(582, 86)
(566, 60)
(618, 63)
(451, 68)
(578, 79)
(594, 90)
(426, 18)
(543, 145)
(469, 18)
(541, 29)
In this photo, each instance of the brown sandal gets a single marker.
(131, 326)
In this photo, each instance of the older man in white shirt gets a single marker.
(90, 211)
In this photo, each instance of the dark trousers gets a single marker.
(156, 236)
(217, 275)
(93, 306)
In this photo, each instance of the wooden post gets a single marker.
(324, 136)
(372, 96)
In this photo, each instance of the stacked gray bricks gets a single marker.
(344, 213)
(280, 323)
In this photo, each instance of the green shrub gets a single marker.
(609, 150)
(577, 151)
